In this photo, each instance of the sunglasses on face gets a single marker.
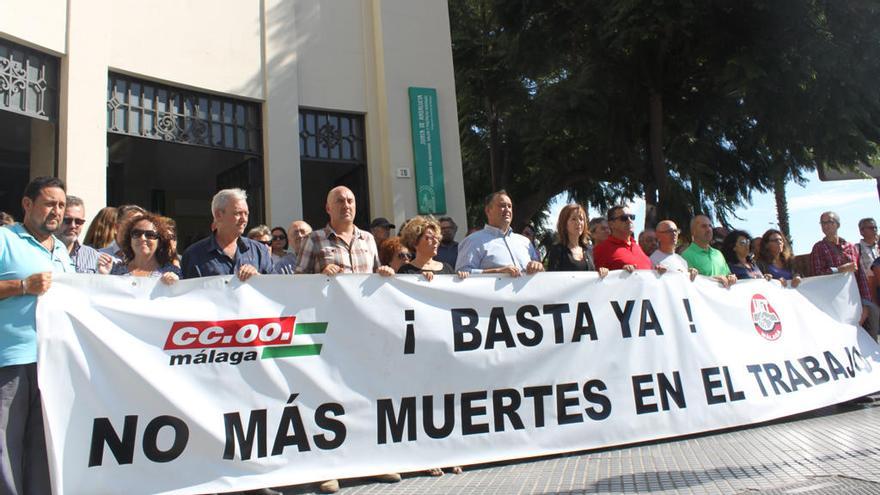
(77, 221)
(624, 217)
(404, 256)
(279, 237)
(149, 234)
(743, 242)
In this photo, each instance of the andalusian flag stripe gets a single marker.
(310, 328)
(291, 351)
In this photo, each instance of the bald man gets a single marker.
(701, 255)
(340, 247)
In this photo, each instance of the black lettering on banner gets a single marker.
(500, 409)
(332, 425)
(649, 319)
(774, 374)
(733, 394)
(256, 430)
(466, 336)
(537, 394)
(469, 411)
(709, 385)
(755, 369)
(599, 399)
(409, 341)
(583, 323)
(386, 419)
(557, 310)
(529, 324)
(104, 433)
(814, 370)
(857, 362)
(669, 390)
(640, 393)
(498, 329)
(290, 418)
(445, 429)
(794, 377)
(563, 403)
(623, 316)
(151, 439)
(834, 365)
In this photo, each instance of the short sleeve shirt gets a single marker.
(671, 261)
(709, 262)
(324, 247)
(21, 256)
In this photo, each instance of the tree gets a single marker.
(692, 104)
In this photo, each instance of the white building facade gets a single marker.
(162, 103)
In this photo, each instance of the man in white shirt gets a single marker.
(665, 256)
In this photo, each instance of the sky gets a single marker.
(851, 199)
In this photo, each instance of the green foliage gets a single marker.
(694, 104)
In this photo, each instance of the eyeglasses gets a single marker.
(279, 237)
(670, 231)
(70, 220)
(624, 217)
(149, 234)
(775, 239)
(402, 256)
(743, 242)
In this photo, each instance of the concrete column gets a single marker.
(82, 153)
(281, 112)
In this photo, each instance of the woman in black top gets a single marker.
(422, 236)
(572, 253)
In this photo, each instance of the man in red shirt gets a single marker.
(620, 250)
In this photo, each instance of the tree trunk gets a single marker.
(781, 204)
(655, 197)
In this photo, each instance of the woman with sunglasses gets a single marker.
(278, 245)
(421, 236)
(393, 253)
(147, 250)
(736, 249)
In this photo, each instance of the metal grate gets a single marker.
(28, 81)
(155, 111)
(331, 136)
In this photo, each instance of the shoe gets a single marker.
(329, 486)
(263, 491)
(387, 478)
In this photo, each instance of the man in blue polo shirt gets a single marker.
(226, 252)
(29, 253)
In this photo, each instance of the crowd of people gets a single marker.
(130, 241)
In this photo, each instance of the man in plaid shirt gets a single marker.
(834, 255)
(340, 247)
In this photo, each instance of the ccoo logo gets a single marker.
(765, 318)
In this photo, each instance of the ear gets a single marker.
(26, 203)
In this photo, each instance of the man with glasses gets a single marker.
(703, 257)
(85, 258)
(665, 255)
(621, 251)
(833, 254)
(496, 248)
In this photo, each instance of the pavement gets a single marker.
(834, 450)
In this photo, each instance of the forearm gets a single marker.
(10, 288)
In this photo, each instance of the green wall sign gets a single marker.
(428, 159)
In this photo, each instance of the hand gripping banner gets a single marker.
(215, 385)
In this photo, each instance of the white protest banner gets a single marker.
(216, 385)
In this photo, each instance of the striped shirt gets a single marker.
(324, 247)
(85, 258)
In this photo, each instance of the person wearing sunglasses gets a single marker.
(621, 251)
(278, 246)
(85, 258)
(737, 250)
(147, 250)
(393, 253)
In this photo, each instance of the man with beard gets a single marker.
(29, 254)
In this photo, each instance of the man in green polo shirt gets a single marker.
(701, 255)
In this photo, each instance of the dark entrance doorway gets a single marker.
(332, 153)
(170, 150)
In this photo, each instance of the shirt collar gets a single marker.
(331, 233)
(496, 231)
(24, 234)
(621, 242)
(706, 249)
(242, 246)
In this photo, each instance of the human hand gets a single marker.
(246, 271)
(603, 272)
(660, 269)
(534, 267)
(693, 273)
(384, 270)
(105, 263)
(795, 281)
(629, 268)
(429, 275)
(38, 283)
(331, 269)
(463, 275)
(169, 278)
(847, 267)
